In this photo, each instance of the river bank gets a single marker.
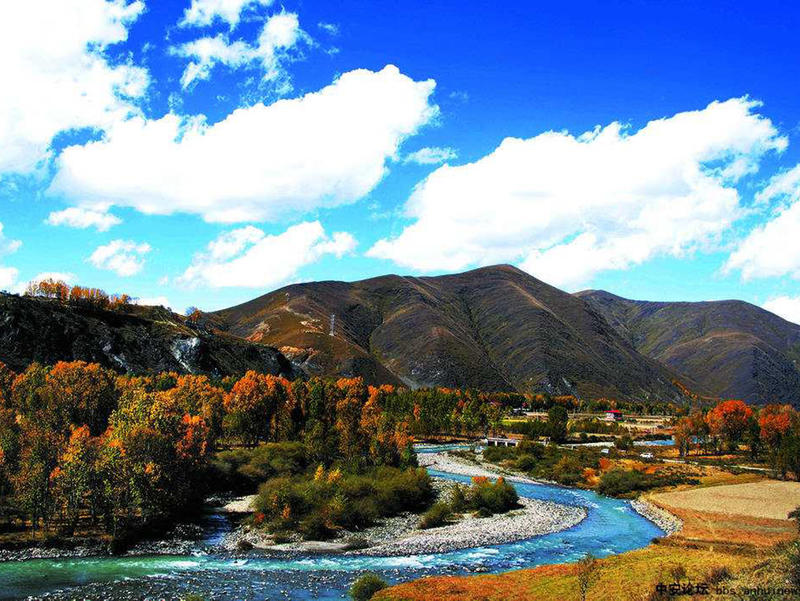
(400, 535)
(610, 526)
(396, 536)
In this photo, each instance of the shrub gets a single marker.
(620, 482)
(319, 506)
(498, 454)
(403, 490)
(244, 469)
(438, 515)
(586, 569)
(316, 527)
(366, 586)
(794, 564)
(624, 442)
(489, 498)
(678, 572)
(717, 574)
(458, 498)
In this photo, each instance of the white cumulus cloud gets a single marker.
(8, 278)
(56, 76)
(123, 257)
(787, 307)
(567, 207)
(8, 246)
(83, 218)
(247, 257)
(279, 37)
(773, 248)
(430, 155)
(8, 275)
(323, 149)
(202, 13)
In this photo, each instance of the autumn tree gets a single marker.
(33, 485)
(77, 480)
(729, 421)
(80, 393)
(196, 396)
(352, 443)
(253, 406)
(27, 391)
(774, 422)
(320, 435)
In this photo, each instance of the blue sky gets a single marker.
(205, 152)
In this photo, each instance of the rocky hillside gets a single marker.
(136, 340)
(732, 348)
(495, 328)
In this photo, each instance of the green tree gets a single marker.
(365, 587)
(557, 418)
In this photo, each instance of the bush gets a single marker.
(624, 442)
(320, 504)
(365, 587)
(620, 482)
(489, 498)
(498, 454)
(568, 470)
(458, 498)
(316, 527)
(717, 574)
(403, 490)
(438, 515)
(794, 564)
(677, 572)
(244, 469)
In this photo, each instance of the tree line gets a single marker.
(771, 433)
(83, 449)
(77, 295)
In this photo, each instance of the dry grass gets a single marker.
(768, 499)
(630, 576)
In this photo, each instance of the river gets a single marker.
(611, 526)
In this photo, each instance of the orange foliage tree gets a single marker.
(729, 421)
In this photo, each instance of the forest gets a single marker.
(86, 451)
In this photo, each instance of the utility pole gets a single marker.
(333, 323)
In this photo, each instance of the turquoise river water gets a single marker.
(611, 526)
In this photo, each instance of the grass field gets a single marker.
(770, 499)
(630, 576)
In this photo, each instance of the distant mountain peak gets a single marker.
(732, 348)
(494, 328)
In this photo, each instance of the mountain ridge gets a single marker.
(735, 349)
(495, 328)
(135, 340)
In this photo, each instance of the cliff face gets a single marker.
(732, 348)
(135, 340)
(495, 328)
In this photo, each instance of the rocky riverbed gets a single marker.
(660, 517)
(400, 535)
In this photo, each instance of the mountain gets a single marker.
(494, 328)
(133, 340)
(732, 348)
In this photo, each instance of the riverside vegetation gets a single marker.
(85, 452)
